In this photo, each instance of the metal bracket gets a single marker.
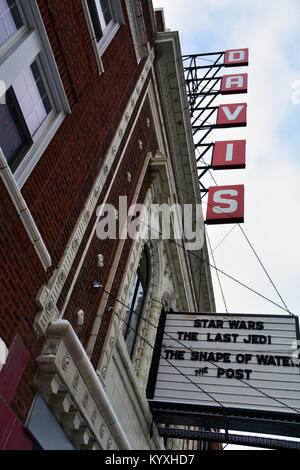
(201, 83)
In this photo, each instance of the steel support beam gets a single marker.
(226, 438)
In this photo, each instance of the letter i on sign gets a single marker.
(229, 155)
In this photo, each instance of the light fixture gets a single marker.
(80, 317)
(100, 261)
(96, 285)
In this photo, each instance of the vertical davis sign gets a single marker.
(248, 362)
(231, 154)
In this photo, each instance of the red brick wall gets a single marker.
(58, 187)
(148, 22)
(21, 274)
(114, 290)
(83, 295)
(159, 21)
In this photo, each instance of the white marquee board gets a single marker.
(238, 361)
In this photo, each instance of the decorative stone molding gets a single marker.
(72, 389)
(142, 353)
(124, 295)
(51, 292)
(137, 28)
(117, 322)
(24, 213)
(101, 309)
(170, 76)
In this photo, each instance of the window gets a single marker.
(34, 102)
(101, 16)
(27, 106)
(104, 18)
(10, 20)
(136, 302)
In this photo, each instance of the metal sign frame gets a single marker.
(237, 439)
(238, 419)
(201, 82)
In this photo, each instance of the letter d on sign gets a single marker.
(225, 205)
(236, 57)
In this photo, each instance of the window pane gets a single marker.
(93, 8)
(11, 138)
(10, 20)
(128, 312)
(32, 97)
(136, 303)
(100, 15)
(136, 309)
(106, 11)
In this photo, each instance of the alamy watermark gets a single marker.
(3, 353)
(296, 93)
(2, 92)
(159, 221)
(295, 356)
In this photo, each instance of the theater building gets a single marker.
(93, 111)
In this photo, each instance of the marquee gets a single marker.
(240, 365)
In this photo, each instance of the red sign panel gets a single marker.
(232, 115)
(12, 434)
(229, 154)
(12, 371)
(225, 205)
(234, 83)
(236, 57)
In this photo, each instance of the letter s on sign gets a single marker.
(225, 205)
(232, 203)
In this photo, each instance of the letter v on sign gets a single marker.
(232, 115)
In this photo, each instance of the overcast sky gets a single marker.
(271, 32)
(270, 29)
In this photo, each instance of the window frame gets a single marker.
(131, 312)
(30, 43)
(110, 31)
(21, 126)
(6, 46)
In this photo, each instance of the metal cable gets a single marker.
(190, 349)
(222, 272)
(218, 277)
(172, 365)
(260, 262)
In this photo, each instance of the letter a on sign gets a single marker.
(225, 205)
(232, 115)
(229, 154)
(234, 84)
(236, 57)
